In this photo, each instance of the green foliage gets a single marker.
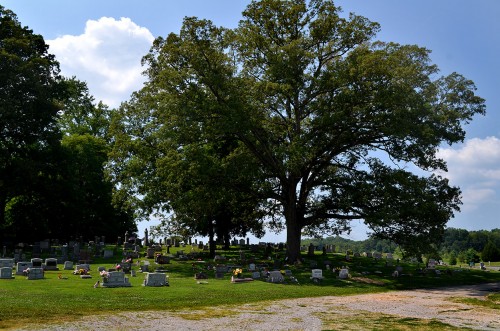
(317, 105)
(490, 252)
(29, 92)
(53, 186)
(453, 258)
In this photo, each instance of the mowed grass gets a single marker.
(23, 302)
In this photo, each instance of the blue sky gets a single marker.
(102, 42)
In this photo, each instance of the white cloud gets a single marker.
(107, 56)
(476, 160)
(475, 168)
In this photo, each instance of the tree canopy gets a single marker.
(330, 117)
(29, 91)
(53, 147)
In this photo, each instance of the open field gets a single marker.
(51, 300)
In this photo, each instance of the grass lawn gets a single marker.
(52, 299)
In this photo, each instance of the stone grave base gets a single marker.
(240, 280)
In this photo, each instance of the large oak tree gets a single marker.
(332, 117)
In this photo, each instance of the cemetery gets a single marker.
(158, 277)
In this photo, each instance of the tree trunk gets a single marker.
(293, 236)
(3, 202)
(211, 241)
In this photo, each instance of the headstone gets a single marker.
(220, 270)
(36, 250)
(146, 240)
(150, 253)
(251, 267)
(310, 250)
(64, 252)
(144, 268)
(344, 273)
(115, 279)
(36, 262)
(35, 273)
(108, 253)
(44, 245)
(76, 251)
(68, 265)
(242, 242)
(255, 275)
(7, 263)
(51, 264)
(155, 279)
(6, 273)
(248, 241)
(125, 266)
(22, 266)
(162, 259)
(219, 258)
(275, 276)
(84, 266)
(316, 275)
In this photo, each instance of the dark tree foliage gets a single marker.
(50, 189)
(29, 90)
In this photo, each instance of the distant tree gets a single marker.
(452, 258)
(470, 255)
(87, 203)
(320, 107)
(490, 252)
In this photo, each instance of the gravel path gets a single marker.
(309, 313)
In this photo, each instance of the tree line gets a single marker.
(298, 120)
(457, 246)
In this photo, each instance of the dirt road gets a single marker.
(313, 313)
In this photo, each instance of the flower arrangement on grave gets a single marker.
(118, 267)
(237, 272)
(81, 271)
(104, 274)
(26, 271)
